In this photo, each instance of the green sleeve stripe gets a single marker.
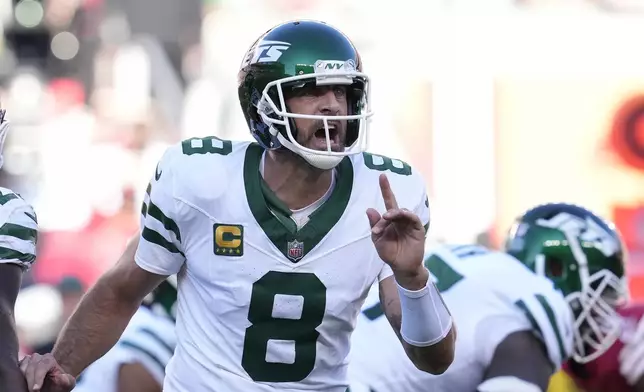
(11, 254)
(4, 199)
(144, 210)
(530, 317)
(156, 238)
(158, 339)
(553, 322)
(426, 228)
(136, 347)
(20, 232)
(446, 276)
(167, 222)
(32, 216)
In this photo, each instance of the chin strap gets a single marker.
(324, 162)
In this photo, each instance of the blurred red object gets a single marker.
(67, 93)
(86, 253)
(627, 133)
(630, 222)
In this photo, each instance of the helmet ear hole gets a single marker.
(554, 267)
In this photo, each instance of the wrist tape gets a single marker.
(425, 318)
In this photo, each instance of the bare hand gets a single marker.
(43, 373)
(399, 235)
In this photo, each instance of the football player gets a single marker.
(619, 368)
(521, 313)
(137, 362)
(275, 243)
(18, 235)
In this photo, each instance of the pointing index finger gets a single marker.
(387, 194)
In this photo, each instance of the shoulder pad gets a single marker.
(407, 184)
(200, 166)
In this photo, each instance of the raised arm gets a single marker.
(425, 315)
(412, 304)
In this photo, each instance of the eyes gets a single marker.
(340, 92)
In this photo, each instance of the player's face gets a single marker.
(320, 100)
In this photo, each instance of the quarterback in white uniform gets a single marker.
(18, 235)
(138, 360)
(276, 243)
(519, 313)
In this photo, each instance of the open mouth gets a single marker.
(334, 135)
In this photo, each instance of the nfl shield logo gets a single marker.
(295, 250)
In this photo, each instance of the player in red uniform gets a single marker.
(621, 367)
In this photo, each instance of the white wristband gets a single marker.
(425, 318)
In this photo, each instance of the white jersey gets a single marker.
(490, 295)
(263, 306)
(149, 339)
(18, 230)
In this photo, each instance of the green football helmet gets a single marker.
(583, 256)
(301, 54)
(163, 299)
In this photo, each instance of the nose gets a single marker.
(329, 105)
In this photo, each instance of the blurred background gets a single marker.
(501, 104)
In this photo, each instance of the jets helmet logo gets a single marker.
(587, 230)
(265, 52)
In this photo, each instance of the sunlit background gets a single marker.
(500, 104)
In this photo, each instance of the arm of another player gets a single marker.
(10, 377)
(412, 304)
(18, 237)
(525, 342)
(134, 377)
(520, 364)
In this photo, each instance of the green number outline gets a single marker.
(207, 146)
(387, 164)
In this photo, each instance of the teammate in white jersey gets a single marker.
(520, 314)
(138, 360)
(18, 234)
(275, 243)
